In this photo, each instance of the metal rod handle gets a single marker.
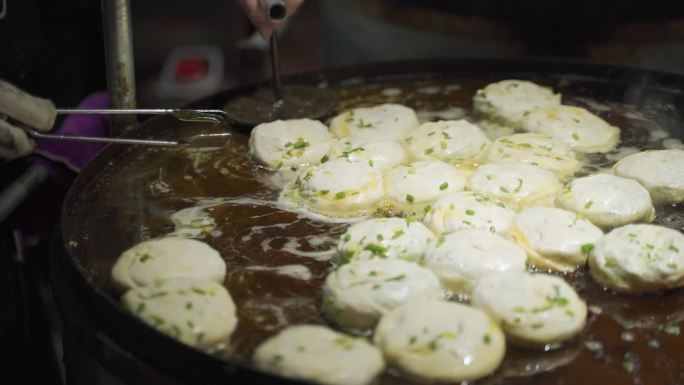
(275, 67)
(99, 139)
(275, 10)
(136, 111)
(118, 111)
(186, 115)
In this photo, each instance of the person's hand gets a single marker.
(257, 15)
(26, 109)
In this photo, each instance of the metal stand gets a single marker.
(118, 41)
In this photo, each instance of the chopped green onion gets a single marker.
(300, 143)
(397, 278)
(375, 249)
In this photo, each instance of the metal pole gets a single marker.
(15, 194)
(118, 40)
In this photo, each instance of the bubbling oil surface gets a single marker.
(277, 260)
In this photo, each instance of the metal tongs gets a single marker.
(36, 116)
(185, 115)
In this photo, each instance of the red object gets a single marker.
(191, 69)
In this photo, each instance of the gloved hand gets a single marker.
(257, 15)
(24, 108)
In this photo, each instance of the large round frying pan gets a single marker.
(127, 193)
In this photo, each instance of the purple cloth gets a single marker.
(76, 155)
